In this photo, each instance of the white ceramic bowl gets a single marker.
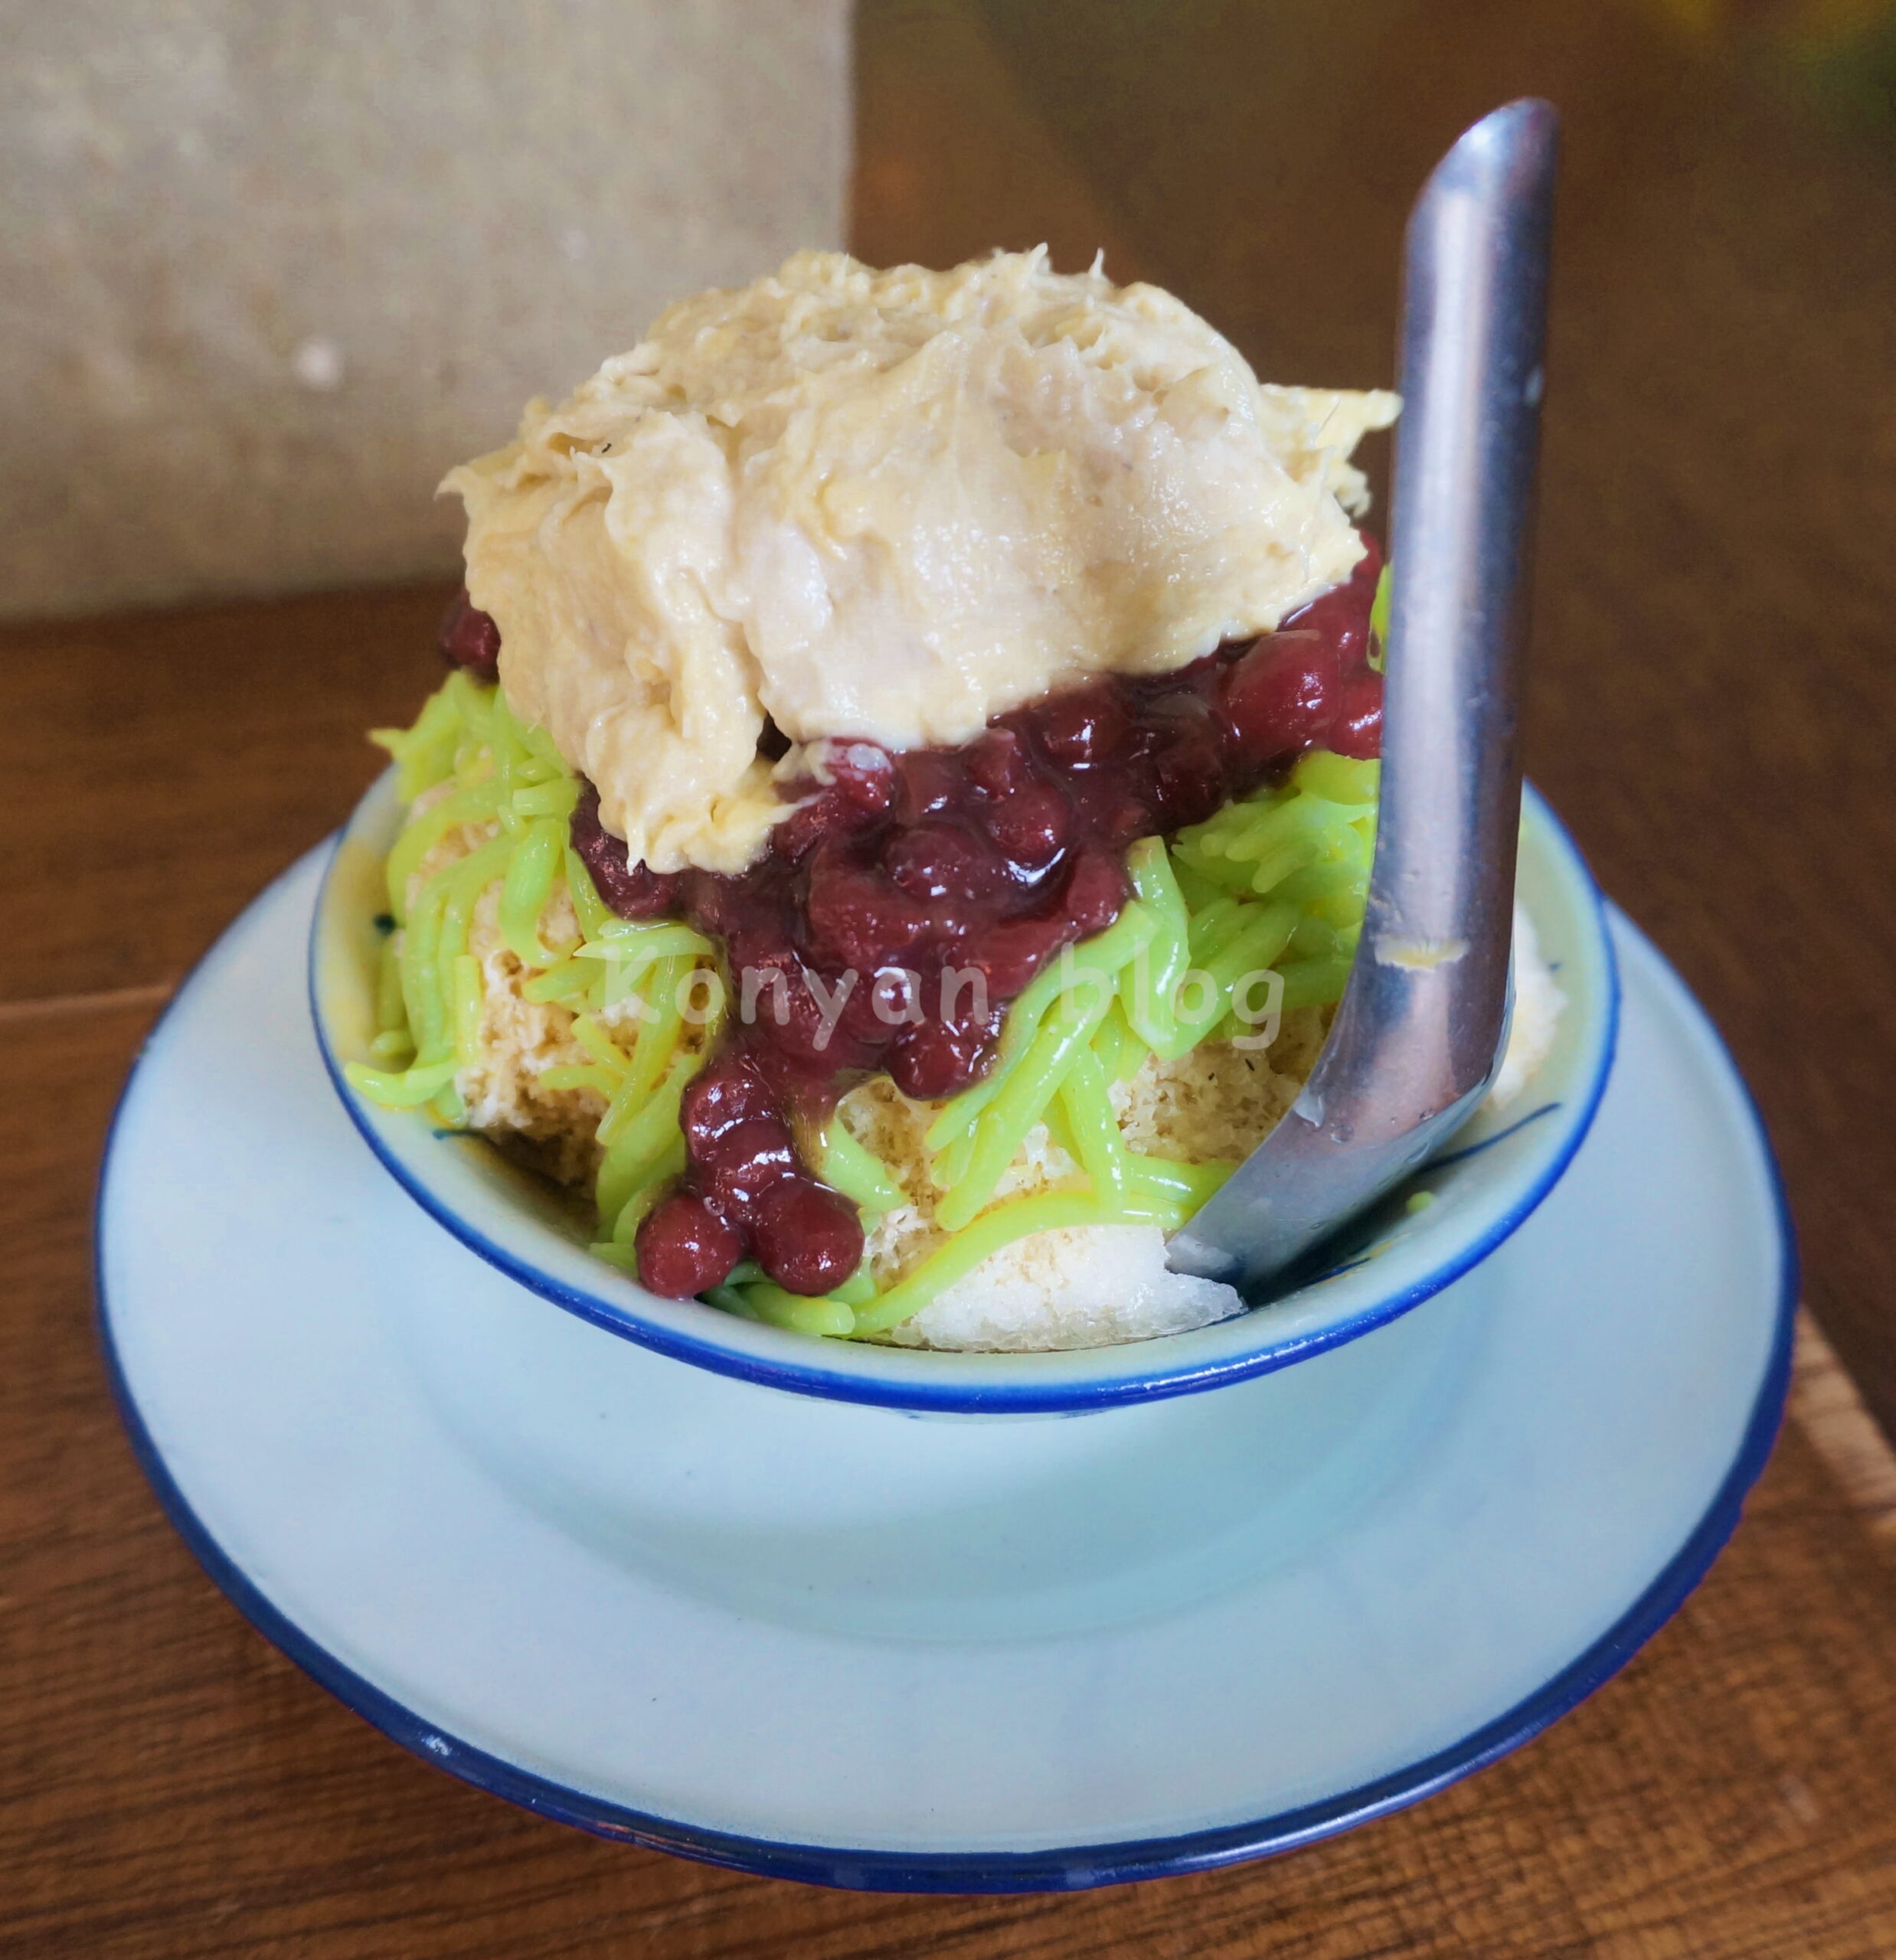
(1494, 1174)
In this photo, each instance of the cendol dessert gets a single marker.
(900, 817)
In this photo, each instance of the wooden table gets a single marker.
(1711, 710)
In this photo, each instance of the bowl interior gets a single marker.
(1493, 1174)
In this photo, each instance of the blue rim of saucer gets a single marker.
(1075, 1869)
(1153, 1383)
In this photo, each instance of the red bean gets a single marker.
(469, 638)
(1188, 763)
(1280, 698)
(1096, 890)
(809, 1238)
(721, 1099)
(1356, 729)
(857, 919)
(632, 890)
(1083, 726)
(927, 780)
(944, 861)
(749, 1159)
(684, 1247)
(998, 761)
(1032, 824)
(862, 776)
(936, 1058)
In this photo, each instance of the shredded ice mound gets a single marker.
(1096, 1284)
(508, 1099)
(1079, 1287)
(1538, 1004)
(520, 1040)
(1086, 1286)
(1218, 1102)
(1215, 1104)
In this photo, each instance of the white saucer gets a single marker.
(841, 1643)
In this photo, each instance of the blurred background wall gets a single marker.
(268, 267)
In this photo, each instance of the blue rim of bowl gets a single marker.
(1080, 1868)
(1156, 1383)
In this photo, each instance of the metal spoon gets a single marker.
(1418, 1034)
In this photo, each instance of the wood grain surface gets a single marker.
(1712, 711)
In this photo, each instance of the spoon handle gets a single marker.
(1415, 1039)
(1441, 894)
